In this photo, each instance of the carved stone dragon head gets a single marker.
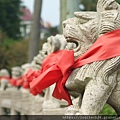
(86, 27)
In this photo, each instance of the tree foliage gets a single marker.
(12, 53)
(10, 17)
(118, 1)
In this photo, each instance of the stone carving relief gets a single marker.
(4, 81)
(16, 72)
(98, 82)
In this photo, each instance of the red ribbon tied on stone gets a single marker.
(54, 70)
(29, 76)
(57, 66)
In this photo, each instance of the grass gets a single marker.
(107, 110)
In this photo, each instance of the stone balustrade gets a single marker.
(18, 100)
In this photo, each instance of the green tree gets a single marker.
(118, 1)
(10, 17)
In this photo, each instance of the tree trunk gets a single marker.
(35, 31)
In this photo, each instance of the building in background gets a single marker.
(26, 21)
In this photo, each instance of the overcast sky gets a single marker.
(50, 10)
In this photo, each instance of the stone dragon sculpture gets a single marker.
(99, 82)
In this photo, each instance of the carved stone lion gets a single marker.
(4, 81)
(97, 82)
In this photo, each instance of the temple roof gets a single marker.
(26, 14)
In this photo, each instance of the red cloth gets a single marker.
(19, 82)
(5, 77)
(53, 70)
(15, 82)
(57, 66)
(12, 82)
(29, 76)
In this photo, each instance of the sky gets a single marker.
(50, 10)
